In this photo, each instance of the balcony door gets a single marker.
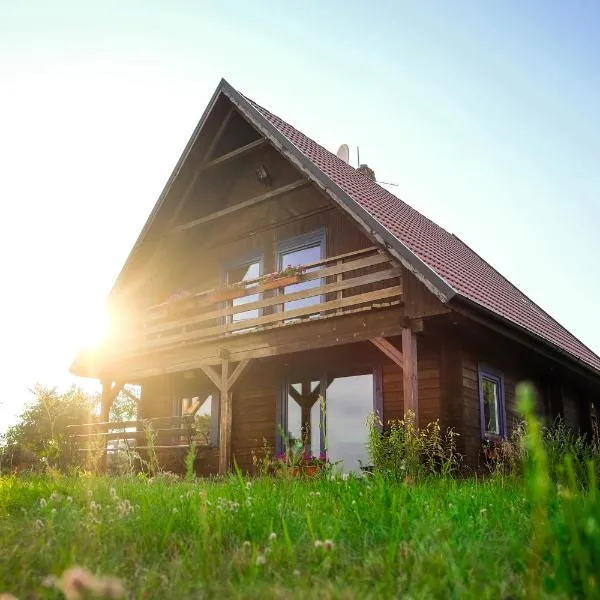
(328, 416)
(299, 251)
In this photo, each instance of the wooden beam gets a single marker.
(296, 395)
(217, 137)
(190, 185)
(237, 372)
(410, 387)
(110, 390)
(225, 419)
(286, 189)
(212, 375)
(130, 395)
(233, 154)
(389, 350)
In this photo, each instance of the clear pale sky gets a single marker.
(486, 114)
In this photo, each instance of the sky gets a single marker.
(485, 114)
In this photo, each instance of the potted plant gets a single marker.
(295, 463)
(289, 276)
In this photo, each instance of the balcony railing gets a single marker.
(159, 433)
(357, 281)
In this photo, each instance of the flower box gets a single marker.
(272, 284)
(227, 294)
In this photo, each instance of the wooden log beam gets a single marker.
(233, 154)
(238, 371)
(212, 375)
(270, 195)
(110, 390)
(205, 159)
(225, 417)
(410, 382)
(389, 350)
(217, 138)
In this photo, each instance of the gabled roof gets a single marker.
(449, 268)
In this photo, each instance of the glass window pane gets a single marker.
(294, 418)
(491, 401)
(203, 421)
(349, 402)
(296, 258)
(245, 273)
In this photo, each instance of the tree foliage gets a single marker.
(41, 431)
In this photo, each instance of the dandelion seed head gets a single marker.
(261, 559)
(69, 499)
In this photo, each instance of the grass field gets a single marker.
(270, 538)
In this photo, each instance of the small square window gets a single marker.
(491, 401)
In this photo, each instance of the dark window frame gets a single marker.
(238, 262)
(491, 374)
(281, 426)
(318, 237)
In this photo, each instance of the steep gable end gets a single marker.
(441, 261)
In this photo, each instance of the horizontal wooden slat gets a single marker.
(131, 424)
(287, 315)
(161, 311)
(345, 284)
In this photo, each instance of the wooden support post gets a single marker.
(224, 383)
(409, 355)
(225, 416)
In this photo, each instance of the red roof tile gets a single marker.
(462, 269)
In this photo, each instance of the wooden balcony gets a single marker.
(358, 281)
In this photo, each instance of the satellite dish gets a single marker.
(343, 153)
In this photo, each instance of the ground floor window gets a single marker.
(328, 416)
(203, 405)
(491, 400)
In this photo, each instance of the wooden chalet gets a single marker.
(278, 292)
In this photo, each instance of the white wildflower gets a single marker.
(69, 500)
(272, 536)
(38, 525)
(261, 559)
(318, 543)
(43, 503)
(328, 544)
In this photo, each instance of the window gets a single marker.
(491, 400)
(335, 420)
(205, 410)
(245, 271)
(301, 251)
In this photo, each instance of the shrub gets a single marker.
(402, 450)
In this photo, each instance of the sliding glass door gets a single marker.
(328, 416)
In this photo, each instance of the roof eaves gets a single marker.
(460, 299)
(430, 278)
